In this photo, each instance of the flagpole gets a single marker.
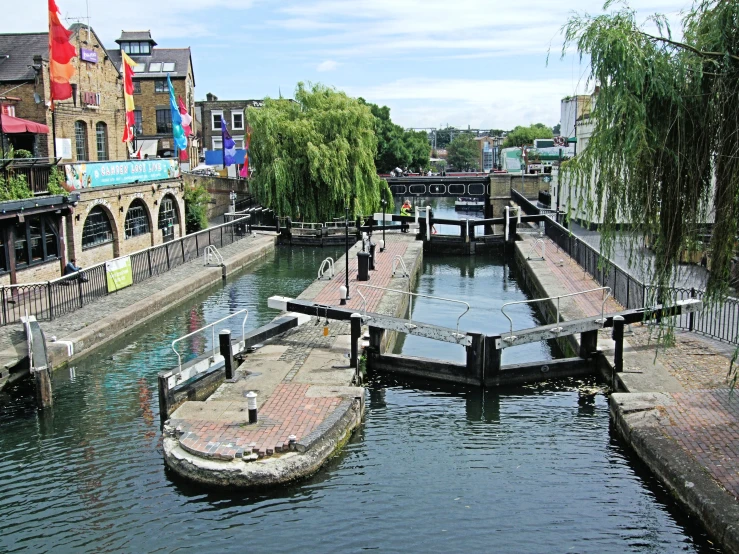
(223, 144)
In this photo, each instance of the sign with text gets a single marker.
(119, 274)
(105, 174)
(87, 55)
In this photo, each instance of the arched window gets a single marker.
(137, 220)
(80, 140)
(101, 135)
(97, 229)
(168, 217)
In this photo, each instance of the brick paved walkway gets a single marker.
(293, 407)
(704, 420)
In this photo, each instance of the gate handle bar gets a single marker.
(212, 326)
(511, 338)
(411, 294)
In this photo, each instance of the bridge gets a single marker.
(447, 186)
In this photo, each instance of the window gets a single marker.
(137, 222)
(237, 121)
(137, 87)
(134, 47)
(155, 67)
(167, 217)
(239, 142)
(126, 47)
(217, 143)
(144, 48)
(168, 66)
(216, 116)
(138, 122)
(164, 121)
(80, 140)
(101, 135)
(139, 68)
(97, 229)
(36, 241)
(160, 85)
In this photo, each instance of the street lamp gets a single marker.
(384, 203)
(346, 240)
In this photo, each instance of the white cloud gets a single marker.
(328, 65)
(485, 103)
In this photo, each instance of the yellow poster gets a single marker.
(119, 273)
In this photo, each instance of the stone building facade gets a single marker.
(210, 113)
(109, 222)
(151, 94)
(89, 126)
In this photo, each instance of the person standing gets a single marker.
(405, 209)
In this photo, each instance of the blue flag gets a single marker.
(229, 146)
(178, 132)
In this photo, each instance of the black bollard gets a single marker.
(372, 247)
(363, 266)
(618, 336)
(356, 330)
(224, 341)
(251, 404)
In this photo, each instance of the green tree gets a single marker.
(556, 129)
(417, 143)
(463, 152)
(315, 154)
(662, 154)
(522, 136)
(196, 204)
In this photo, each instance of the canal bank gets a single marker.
(309, 397)
(677, 414)
(79, 333)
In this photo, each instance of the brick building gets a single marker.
(151, 95)
(210, 113)
(89, 126)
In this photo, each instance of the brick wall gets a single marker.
(27, 108)
(219, 189)
(115, 202)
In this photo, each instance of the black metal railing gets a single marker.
(66, 294)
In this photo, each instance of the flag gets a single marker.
(186, 118)
(128, 65)
(245, 168)
(229, 146)
(61, 52)
(178, 132)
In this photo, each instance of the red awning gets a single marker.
(12, 125)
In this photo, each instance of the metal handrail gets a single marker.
(327, 262)
(532, 249)
(303, 225)
(211, 253)
(339, 224)
(411, 294)
(557, 298)
(213, 338)
(399, 258)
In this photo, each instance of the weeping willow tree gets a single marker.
(315, 155)
(664, 152)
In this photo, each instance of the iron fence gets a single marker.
(66, 294)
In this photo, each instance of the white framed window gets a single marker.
(216, 116)
(168, 66)
(217, 143)
(239, 141)
(237, 121)
(139, 68)
(155, 67)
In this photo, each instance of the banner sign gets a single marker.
(105, 174)
(87, 55)
(119, 274)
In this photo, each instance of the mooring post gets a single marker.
(476, 358)
(618, 336)
(251, 405)
(588, 343)
(492, 358)
(44, 397)
(164, 397)
(356, 329)
(375, 341)
(224, 341)
(691, 319)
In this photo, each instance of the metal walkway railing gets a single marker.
(212, 327)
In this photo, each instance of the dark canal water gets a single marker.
(432, 469)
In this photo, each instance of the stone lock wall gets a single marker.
(115, 201)
(219, 189)
(502, 183)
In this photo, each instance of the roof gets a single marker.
(20, 49)
(180, 56)
(211, 104)
(127, 36)
(76, 27)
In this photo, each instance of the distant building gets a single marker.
(212, 110)
(151, 94)
(89, 126)
(489, 151)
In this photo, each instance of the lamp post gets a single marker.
(346, 240)
(384, 203)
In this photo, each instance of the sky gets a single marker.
(478, 63)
